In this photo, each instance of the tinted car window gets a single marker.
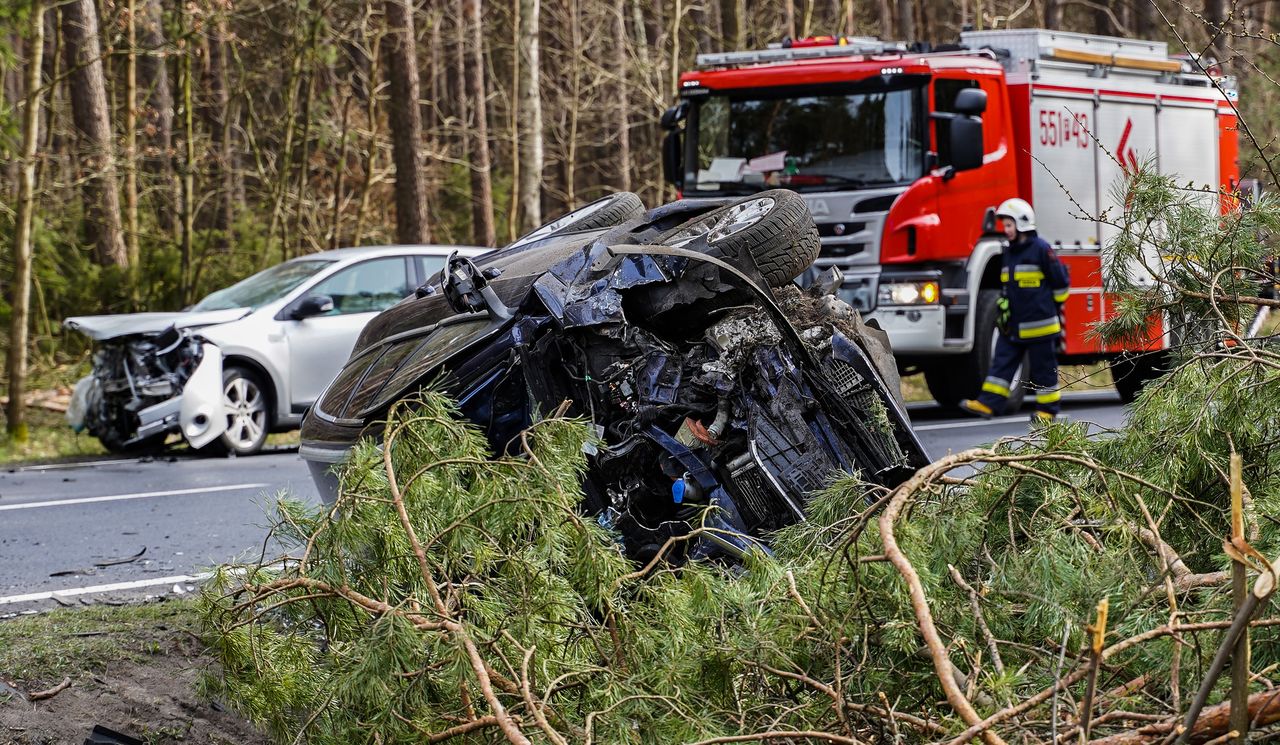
(367, 287)
(436, 348)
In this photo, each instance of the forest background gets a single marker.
(153, 151)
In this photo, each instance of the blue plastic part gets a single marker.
(677, 491)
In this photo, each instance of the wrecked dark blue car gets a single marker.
(723, 394)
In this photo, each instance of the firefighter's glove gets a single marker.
(1003, 316)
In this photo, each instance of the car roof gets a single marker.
(363, 252)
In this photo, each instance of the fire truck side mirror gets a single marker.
(971, 102)
(673, 158)
(966, 143)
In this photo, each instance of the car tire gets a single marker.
(248, 411)
(962, 377)
(772, 229)
(1132, 372)
(606, 212)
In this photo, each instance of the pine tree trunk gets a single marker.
(739, 24)
(89, 111)
(399, 51)
(622, 102)
(187, 167)
(530, 150)
(907, 20)
(1053, 14)
(131, 140)
(218, 115)
(886, 20)
(789, 18)
(482, 228)
(157, 115)
(22, 248)
(1215, 16)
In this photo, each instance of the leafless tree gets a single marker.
(19, 320)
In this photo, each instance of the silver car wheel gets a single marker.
(246, 413)
(737, 218)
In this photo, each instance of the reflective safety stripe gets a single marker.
(1049, 398)
(1004, 275)
(998, 386)
(1027, 271)
(1034, 329)
(1061, 296)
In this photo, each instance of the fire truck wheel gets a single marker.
(773, 229)
(1131, 373)
(961, 377)
(606, 212)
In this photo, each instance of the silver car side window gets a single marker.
(367, 287)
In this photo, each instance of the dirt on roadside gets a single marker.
(132, 669)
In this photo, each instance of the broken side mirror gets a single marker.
(966, 143)
(467, 289)
(312, 305)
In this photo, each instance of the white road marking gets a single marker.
(113, 587)
(136, 495)
(974, 423)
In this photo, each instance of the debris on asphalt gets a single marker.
(122, 560)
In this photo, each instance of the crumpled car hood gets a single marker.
(101, 328)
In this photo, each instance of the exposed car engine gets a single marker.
(132, 398)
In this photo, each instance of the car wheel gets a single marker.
(772, 229)
(248, 415)
(962, 377)
(607, 212)
(1132, 372)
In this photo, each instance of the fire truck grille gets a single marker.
(837, 229)
(848, 249)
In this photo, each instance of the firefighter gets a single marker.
(1034, 285)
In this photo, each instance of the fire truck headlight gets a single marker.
(908, 293)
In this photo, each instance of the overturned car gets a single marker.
(722, 395)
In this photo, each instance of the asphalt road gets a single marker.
(152, 526)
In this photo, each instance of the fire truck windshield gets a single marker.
(825, 138)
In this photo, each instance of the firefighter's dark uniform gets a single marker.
(1036, 283)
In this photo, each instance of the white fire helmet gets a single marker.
(1020, 212)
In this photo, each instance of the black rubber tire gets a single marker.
(782, 243)
(1131, 373)
(961, 376)
(605, 212)
(225, 444)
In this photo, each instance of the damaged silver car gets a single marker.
(244, 361)
(723, 395)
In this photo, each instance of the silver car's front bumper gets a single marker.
(197, 411)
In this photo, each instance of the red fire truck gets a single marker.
(901, 154)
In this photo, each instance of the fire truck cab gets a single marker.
(902, 154)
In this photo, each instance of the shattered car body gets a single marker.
(722, 395)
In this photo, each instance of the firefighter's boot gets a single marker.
(976, 408)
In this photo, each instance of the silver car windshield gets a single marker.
(263, 287)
